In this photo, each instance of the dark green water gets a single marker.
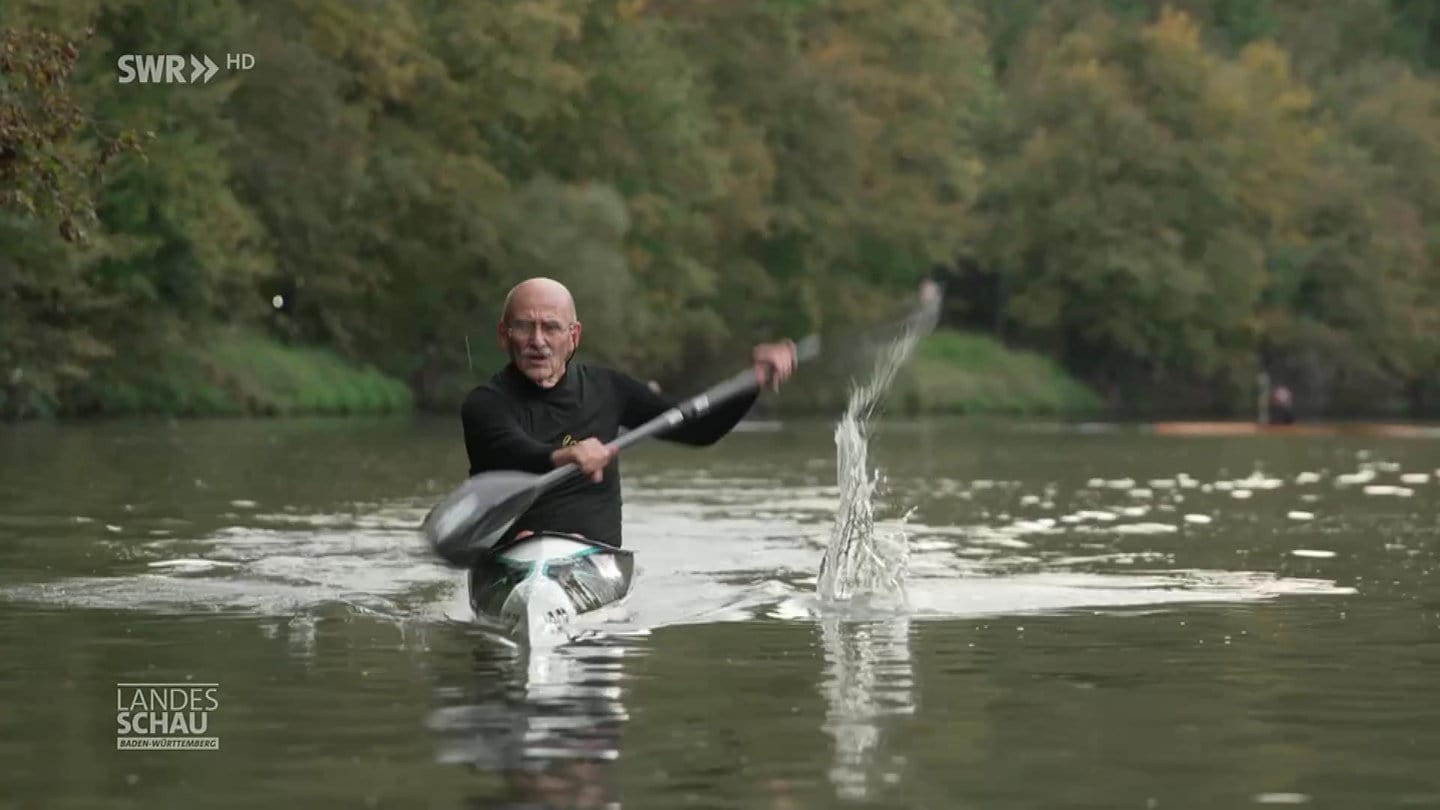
(1058, 651)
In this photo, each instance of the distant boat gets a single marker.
(1381, 429)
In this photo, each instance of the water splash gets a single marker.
(859, 561)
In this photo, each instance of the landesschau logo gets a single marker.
(174, 68)
(172, 716)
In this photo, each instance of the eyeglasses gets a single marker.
(550, 330)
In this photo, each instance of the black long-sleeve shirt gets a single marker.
(511, 423)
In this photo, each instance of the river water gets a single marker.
(1095, 617)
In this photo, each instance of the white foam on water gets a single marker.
(1258, 480)
(193, 565)
(1319, 554)
(1364, 476)
(1387, 489)
(1053, 591)
(264, 571)
(1281, 798)
(1146, 528)
(1004, 536)
(701, 557)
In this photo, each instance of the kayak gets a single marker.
(1295, 429)
(533, 588)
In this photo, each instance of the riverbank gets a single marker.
(239, 373)
(228, 373)
(957, 373)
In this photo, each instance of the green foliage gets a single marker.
(1132, 221)
(51, 156)
(1157, 196)
(1415, 32)
(230, 372)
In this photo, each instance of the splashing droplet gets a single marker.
(859, 561)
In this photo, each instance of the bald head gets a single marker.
(539, 330)
(539, 293)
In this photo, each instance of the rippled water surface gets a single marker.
(1093, 618)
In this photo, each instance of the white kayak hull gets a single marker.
(535, 588)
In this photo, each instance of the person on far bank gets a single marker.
(544, 409)
(1282, 406)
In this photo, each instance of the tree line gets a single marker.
(1168, 199)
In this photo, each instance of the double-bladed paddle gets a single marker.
(468, 521)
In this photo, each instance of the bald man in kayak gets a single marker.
(545, 409)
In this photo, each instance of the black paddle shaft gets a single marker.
(743, 382)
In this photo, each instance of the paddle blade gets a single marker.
(473, 517)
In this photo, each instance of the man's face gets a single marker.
(540, 333)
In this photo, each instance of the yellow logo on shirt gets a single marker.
(567, 441)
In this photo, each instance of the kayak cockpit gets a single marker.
(536, 585)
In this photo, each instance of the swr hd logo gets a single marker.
(174, 68)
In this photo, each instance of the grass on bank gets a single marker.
(239, 373)
(956, 373)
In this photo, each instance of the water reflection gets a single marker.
(548, 723)
(868, 683)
